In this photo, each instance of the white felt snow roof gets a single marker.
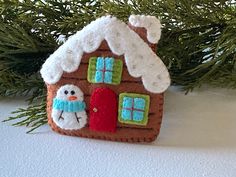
(151, 23)
(141, 61)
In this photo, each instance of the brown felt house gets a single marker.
(121, 78)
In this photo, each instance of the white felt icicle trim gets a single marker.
(141, 61)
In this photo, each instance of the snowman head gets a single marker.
(70, 93)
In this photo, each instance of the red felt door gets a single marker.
(103, 110)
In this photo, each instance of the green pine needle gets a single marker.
(33, 116)
(198, 42)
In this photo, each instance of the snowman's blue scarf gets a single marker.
(68, 106)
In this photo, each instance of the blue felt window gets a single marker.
(104, 68)
(133, 108)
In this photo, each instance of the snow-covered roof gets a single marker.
(141, 61)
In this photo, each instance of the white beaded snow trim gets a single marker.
(141, 61)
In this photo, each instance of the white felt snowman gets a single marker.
(68, 110)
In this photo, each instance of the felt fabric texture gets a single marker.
(67, 90)
(103, 110)
(141, 61)
(105, 70)
(133, 108)
(69, 115)
(68, 106)
(150, 23)
(124, 132)
(144, 73)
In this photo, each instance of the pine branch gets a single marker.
(198, 42)
(33, 116)
(12, 84)
(28, 35)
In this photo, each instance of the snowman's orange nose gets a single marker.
(72, 98)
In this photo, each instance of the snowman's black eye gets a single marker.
(66, 92)
(72, 92)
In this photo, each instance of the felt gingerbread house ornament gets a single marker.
(106, 82)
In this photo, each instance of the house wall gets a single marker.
(125, 132)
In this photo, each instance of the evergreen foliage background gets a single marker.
(198, 42)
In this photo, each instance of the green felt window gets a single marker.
(105, 70)
(133, 108)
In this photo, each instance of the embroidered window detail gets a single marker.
(105, 70)
(133, 108)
